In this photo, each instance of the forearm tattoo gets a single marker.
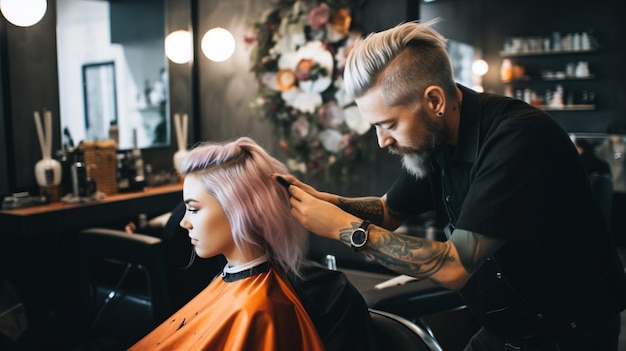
(367, 208)
(409, 255)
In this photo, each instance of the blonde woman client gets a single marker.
(235, 209)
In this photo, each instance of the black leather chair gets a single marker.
(392, 332)
(440, 311)
(124, 278)
(121, 311)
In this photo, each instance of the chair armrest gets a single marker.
(119, 245)
(413, 299)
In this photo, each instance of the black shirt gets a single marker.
(516, 175)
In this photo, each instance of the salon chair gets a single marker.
(440, 312)
(121, 309)
(394, 333)
(125, 286)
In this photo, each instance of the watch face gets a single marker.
(358, 237)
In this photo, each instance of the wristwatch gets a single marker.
(358, 238)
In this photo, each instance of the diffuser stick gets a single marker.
(40, 134)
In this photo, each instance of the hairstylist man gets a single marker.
(528, 249)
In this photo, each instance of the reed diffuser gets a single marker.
(180, 125)
(47, 170)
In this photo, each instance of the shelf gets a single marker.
(531, 71)
(581, 107)
(545, 53)
(528, 79)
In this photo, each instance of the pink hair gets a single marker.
(237, 173)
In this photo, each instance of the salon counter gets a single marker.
(39, 255)
(61, 217)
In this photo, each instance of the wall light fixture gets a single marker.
(480, 67)
(23, 13)
(179, 46)
(218, 44)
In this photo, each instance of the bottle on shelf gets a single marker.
(82, 184)
(506, 70)
(114, 133)
(138, 160)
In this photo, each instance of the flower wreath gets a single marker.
(298, 62)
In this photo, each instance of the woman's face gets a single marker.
(207, 223)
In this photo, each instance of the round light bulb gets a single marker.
(218, 44)
(179, 46)
(23, 13)
(480, 67)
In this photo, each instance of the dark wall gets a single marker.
(569, 17)
(4, 107)
(487, 23)
(177, 16)
(127, 27)
(28, 72)
(217, 95)
(29, 83)
(227, 88)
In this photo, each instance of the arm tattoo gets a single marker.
(370, 208)
(397, 215)
(473, 248)
(414, 256)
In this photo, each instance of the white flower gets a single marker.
(331, 140)
(341, 57)
(291, 37)
(296, 166)
(313, 50)
(355, 121)
(342, 97)
(269, 79)
(302, 100)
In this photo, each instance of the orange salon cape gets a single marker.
(256, 311)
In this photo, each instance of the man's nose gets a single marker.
(384, 139)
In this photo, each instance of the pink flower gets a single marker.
(330, 114)
(300, 128)
(318, 17)
(250, 38)
(347, 144)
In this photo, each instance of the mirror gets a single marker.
(113, 72)
(100, 99)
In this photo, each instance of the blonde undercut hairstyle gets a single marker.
(403, 61)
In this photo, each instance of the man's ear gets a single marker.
(434, 97)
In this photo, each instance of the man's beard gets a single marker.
(417, 162)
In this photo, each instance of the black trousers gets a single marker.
(602, 336)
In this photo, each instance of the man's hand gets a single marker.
(309, 189)
(314, 210)
(319, 216)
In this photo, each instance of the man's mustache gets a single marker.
(395, 150)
